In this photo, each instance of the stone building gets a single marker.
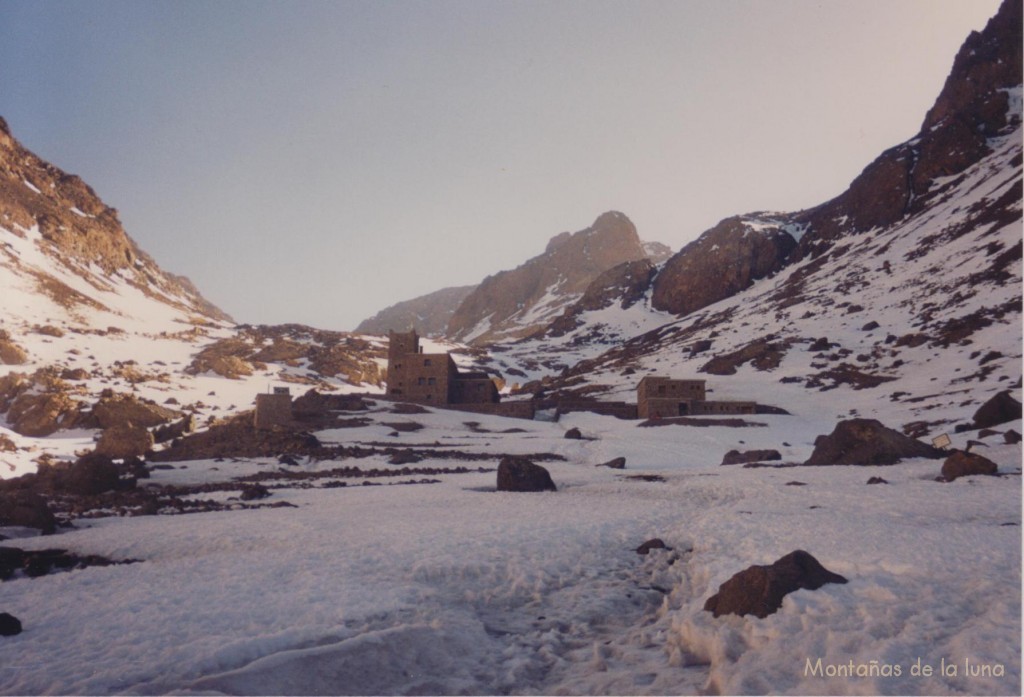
(432, 378)
(660, 397)
(274, 409)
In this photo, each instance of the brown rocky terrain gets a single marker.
(428, 314)
(81, 232)
(516, 303)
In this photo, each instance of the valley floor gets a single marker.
(452, 588)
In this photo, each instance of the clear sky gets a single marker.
(315, 162)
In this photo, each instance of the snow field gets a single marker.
(454, 588)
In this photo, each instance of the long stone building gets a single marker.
(661, 397)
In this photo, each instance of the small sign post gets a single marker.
(942, 442)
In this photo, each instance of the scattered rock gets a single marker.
(404, 457)
(997, 410)
(735, 457)
(820, 344)
(618, 463)
(655, 543)
(877, 480)
(796, 483)
(867, 442)
(9, 624)
(964, 464)
(252, 492)
(287, 459)
(26, 509)
(519, 474)
(1011, 437)
(182, 427)
(870, 326)
(118, 409)
(407, 408)
(573, 434)
(759, 590)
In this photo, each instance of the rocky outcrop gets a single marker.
(999, 409)
(82, 233)
(125, 440)
(972, 108)
(736, 457)
(867, 442)
(10, 352)
(759, 590)
(625, 285)
(117, 409)
(428, 314)
(513, 304)
(723, 261)
(26, 509)
(519, 474)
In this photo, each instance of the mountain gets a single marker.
(92, 326)
(428, 314)
(516, 303)
(902, 294)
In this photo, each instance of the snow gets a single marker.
(453, 588)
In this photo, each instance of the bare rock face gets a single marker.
(10, 352)
(972, 107)
(81, 232)
(625, 284)
(963, 464)
(43, 414)
(867, 442)
(759, 590)
(723, 261)
(519, 474)
(428, 314)
(513, 304)
(997, 410)
(125, 440)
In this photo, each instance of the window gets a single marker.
(431, 381)
(419, 381)
(426, 361)
(661, 389)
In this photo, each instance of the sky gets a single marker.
(315, 162)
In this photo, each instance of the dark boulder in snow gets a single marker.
(735, 457)
(759, 590)
(519, 474)
(997, 410)
(1011, 437)
(618, 463)
(9, 624)
(964, 464)
(26, 509)
(655, 543)
(125, 440)
(91, 474)
(573, 434)
(867, 442)
(252, 492)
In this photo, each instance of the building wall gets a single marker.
(707, 408)
(473, 390)
(273, 410)
(422, 377)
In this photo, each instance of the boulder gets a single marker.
(759, 590)
(40, 415)
(519, 474)
(252, 492)
(177, 429)
(9, 624)
(618, 463)
(404, 457)
(26, 509)
(118, 409)
(997, 410)
(91, 474)
(964, 464)
(867, 442)
(735, 457)
(655, 543)
(573, 434)
(1011, 437)
(125, 440)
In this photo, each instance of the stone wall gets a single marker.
(273, 411)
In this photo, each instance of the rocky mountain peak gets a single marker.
(514, 304)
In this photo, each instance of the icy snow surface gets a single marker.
(452, 587)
